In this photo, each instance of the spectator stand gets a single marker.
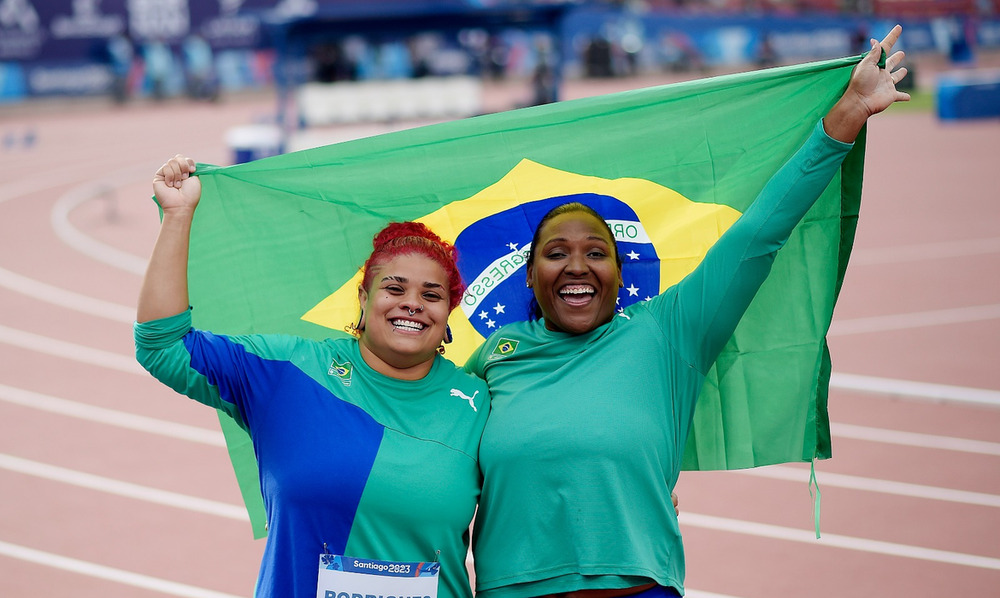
(418, 94)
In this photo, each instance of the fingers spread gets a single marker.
(897, 76)
(893, 61)
(891, 38)
(874, 54)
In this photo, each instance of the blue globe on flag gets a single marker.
(493, 256)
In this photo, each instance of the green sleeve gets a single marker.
(475, 363)
(701, 312)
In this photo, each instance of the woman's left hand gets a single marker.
(871, 90)
(873, 86)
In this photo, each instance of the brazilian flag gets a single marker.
(277, 243)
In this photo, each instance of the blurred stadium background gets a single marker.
(115, 487)
(429, 59)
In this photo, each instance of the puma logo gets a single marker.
(457, 393)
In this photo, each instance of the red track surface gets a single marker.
(931, 189)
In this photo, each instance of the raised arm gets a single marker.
(164, 289)
(871, 90)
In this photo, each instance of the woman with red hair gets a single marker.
(367, 447)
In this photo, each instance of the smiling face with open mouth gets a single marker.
(574, 273)
(405, 315)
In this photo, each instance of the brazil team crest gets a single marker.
(505, 347)
(661, 237)
(342, 371)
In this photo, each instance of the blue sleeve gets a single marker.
(219, 371)
(703, 309)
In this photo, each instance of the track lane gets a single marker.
(895, 215)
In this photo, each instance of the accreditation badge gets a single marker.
(350, 577)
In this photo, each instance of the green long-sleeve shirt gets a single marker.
(586, 433)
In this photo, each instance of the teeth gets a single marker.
(577, 290)
(407, 325)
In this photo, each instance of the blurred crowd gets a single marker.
(156, 70)
(614, 38)
(894, 8)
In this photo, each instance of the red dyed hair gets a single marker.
(404, 238)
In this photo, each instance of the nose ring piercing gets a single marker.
(412, 312)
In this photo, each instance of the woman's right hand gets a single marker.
(175, 187)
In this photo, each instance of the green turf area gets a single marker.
(920, 101)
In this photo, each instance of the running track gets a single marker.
(111, 485)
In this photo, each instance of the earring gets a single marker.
(447, 334)
(356, 328)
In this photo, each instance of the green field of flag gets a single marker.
(277, 243)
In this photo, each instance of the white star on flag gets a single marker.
(499, 308)
(633, 291)
(483, 315)
(512, 246)
(632, 255)
(490, 324)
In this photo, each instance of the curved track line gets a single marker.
(874, 485)
(155, 584)
(51, 179)
(120, 488)
(925, 251)
(939, 317)
(67, 350)
(923, 390)
(848, 542)
(84, 244)
(35, 289)
(111, 417)
(928, 441)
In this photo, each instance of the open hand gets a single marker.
(875, 87)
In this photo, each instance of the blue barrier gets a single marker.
(12, 83)
(968, 94)
(253, 142)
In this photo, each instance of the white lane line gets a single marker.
(67, 350)
(67, 299)
(940, 317)
(930, 441)
(84, 244)
(874, 485)
(120, 488)
(52, 178)
(56, 561)
(925, 251)
(110, 417)
(923, 390)
(848, 542)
